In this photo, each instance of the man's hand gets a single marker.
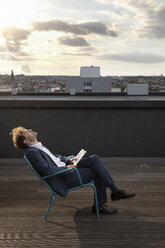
(73, 159)
(71, 166)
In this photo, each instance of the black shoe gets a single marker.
(121, 194)
(104, 209)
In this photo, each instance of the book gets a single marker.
(79, 156)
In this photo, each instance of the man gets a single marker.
(90, 168)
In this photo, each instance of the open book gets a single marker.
(79, 156)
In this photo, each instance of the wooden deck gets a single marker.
(140, 221)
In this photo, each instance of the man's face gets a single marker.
(30, 136)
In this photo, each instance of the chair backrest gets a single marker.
(38, 175)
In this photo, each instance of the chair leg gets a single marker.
(52, 199)
(96, 202)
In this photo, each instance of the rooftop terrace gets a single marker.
(140, 222)
(128, 130)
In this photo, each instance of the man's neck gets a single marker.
(33, 143)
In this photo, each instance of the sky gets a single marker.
(57, 37)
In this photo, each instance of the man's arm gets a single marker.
(64, 159)
(40, 164)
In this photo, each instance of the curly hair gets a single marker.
(18, 138)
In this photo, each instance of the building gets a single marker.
(161, 88)
(90, 71)
(88, 81)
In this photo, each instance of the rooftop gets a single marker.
(139, 223)
(87, 101)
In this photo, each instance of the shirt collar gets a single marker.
(38, 145)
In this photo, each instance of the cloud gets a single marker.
(74, 41)
(154, 26)
(76, 54)
(16, 56)
(14, 37)
(2, 48)
(10, 57)
(88, 49)
(85, 28)
(146, 58)
(26, 68)
(150, 17)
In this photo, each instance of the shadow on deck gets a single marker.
(140, 221)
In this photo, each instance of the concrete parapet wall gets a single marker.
(121, 126)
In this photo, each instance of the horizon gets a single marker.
(58, 75)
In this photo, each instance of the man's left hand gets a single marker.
(71, 166)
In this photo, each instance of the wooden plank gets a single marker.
(140, 221)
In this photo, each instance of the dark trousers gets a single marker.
(92, 168)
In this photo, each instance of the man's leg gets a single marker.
(101, 191)
(99, 170)
(87, 176)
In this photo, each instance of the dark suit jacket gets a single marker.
(45, 166)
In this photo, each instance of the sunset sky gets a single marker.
(57, 37)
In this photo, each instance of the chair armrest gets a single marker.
(63, 171)
(71, 156)
(57, 173)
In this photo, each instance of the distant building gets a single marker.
(88, 81)
(80, 84)
(137, 89)
(90, 71)
(5, 89)
(14, 85)
(161, 88)
(12, 77)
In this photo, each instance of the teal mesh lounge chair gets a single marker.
(53, 196)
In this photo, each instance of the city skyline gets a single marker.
(57, 37)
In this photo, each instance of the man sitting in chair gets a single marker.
(90, 168)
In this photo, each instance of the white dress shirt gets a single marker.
(55, 159)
